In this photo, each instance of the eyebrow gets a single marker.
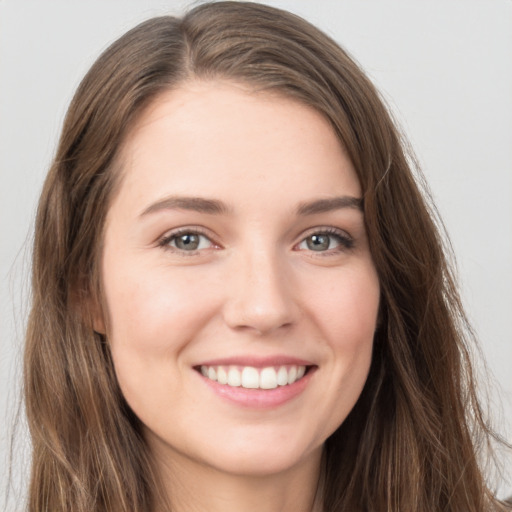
(197, 204)
(330, 204)
(215, 207)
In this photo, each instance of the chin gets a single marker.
(262, 452)
(265, 463)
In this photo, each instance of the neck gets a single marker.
(195, 488)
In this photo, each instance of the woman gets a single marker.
(241, 298)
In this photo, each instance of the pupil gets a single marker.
(318, 242)
(188, 242)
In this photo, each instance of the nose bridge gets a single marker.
(259, 297)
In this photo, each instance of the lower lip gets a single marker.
(259, 398)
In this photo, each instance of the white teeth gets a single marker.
(234, 377)
(253, 378)
(268, 378)
(222, 375)
(250, 378)
(212, 374)
(292, 375)
(282, 376)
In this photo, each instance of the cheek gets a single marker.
(154, 314)
(154, 310)
(347, 306)
(346, 311)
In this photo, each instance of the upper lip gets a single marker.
(257, 361)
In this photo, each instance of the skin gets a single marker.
(253, 288)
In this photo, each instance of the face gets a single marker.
(241, 297)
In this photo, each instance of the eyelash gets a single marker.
(165, 242)
(346, 242)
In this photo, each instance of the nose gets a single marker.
(259, 295)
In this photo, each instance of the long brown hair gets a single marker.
(414, 440)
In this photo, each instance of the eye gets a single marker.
(186, 241)
(323, 241)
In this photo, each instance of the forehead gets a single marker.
(223, 140)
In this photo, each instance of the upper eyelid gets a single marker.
(347, 241)
(200, 230)
(329, 230)
(173, 233)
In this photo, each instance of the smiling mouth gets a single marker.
(249, 377)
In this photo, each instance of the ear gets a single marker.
(90, 309)
(97, 317)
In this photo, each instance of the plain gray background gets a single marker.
(445, 67)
